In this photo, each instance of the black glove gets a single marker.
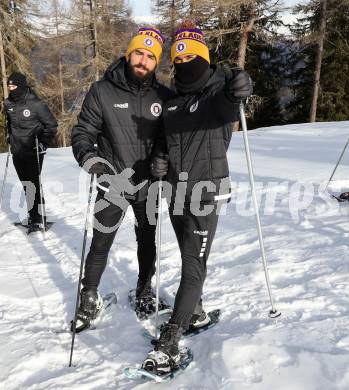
(159, 166)
(93, 168)
(42, 148)
(240, 84)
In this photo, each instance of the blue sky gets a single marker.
(140, 7)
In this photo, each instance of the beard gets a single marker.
(140, 77)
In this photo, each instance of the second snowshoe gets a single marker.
(186, 357)
(166, 355)
(202, 322)
(143, 301)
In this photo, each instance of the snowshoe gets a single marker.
(25, 225)
(343, 197)
(197, 325)
(186, 357)
(35, 227)
(202, 322)
(145, 305)
(166, 355)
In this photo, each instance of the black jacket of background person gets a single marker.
(124, 121)
(198, 132)
(27, 118)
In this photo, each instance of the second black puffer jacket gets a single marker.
(198, 132)
(123, 121)
(27, 118)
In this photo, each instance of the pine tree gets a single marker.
(245, 35)
(334, 94)
(15, 44)
(76, 44)
(334, 80)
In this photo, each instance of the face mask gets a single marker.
(192, 71)
(17, 93)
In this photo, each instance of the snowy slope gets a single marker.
(306, 240)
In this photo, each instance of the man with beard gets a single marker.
(197, 126)
(27, 118)
(120, 114)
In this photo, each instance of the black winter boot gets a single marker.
(199, 317)
(91, 304)
(145, 302)
(166, 355)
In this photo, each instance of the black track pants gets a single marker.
(195, 235)
(28, 171)
(110, 217)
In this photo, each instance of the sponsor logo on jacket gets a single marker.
(121, 105)
(201, 232)
(194, 107)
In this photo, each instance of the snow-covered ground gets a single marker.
(306, 240)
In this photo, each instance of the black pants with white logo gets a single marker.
(106, 224)
(28, 173)
(194, 235)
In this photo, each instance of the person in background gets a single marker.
(28, 118)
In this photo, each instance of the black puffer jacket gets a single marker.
(27, 118)
(123, 120)
(198, 132)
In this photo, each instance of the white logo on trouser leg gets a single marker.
(203, 247)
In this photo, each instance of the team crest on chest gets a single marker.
(26, 113)
(156, 109)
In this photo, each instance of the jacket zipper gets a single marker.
(140, 122)
(209, 156)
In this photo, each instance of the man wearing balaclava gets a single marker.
(197, 135)
(28, 118)
(121, 115)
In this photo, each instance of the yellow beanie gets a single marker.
(149, 39)
(189, 41)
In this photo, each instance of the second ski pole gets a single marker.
(5, 176)
(273, 313)
(81, 269)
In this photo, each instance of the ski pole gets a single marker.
(43, 215)
(273, 313)
(5, 175)
(339, 160)
(81, 268)
(158, 250)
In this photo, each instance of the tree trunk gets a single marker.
(173, 20)
(192, 8)
(60, 72)
(244, 39)
(319, 56)
(61, 87)
(93, 32)
(3, 67)
(243, 48)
